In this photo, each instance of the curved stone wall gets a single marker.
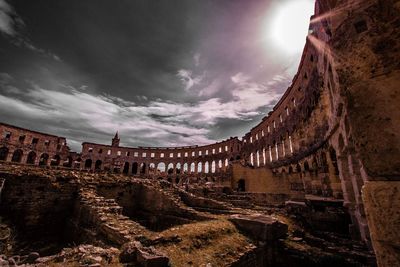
(21, 145)
(334, 134)
(208, 159)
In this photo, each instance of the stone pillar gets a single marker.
(10, 155)
(382, 207)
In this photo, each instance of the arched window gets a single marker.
(192, 167)
(3, 153)
(17, 156)
(43, 159)
(135, 166)
(97, 165)
(126, 168)
(143, 168)
(31, 158)
(199, 167)
(213, 166)
(263, 154)
(206, 167)
(258, 158)
(170, 168)
(161, 167)
(88, 164)
(178, 168)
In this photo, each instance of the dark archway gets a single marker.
(126, 168)
(135, 168)
(31, 158)
(332, 155)
(306, 166)
(88, 164)
(241, 185)
(143, 168)
(43, 159)
(3, 153)
(17, 156)
(97, 165)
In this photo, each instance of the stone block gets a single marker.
(260, 227)
(149, 257)
(129, 252)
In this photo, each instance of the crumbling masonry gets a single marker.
(328, 153)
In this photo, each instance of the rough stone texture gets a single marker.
(382, 206)
(260, 227)
(335, 129)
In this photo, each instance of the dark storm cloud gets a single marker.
(161, 72)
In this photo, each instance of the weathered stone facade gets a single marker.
(330, 143)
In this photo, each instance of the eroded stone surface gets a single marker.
(382, 206)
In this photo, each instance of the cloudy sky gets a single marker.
(161, 72)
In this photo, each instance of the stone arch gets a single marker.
(125, 170)
(298, 168)
(152, 168)
(31, 157)
(178, 168)
(55, 161)
(252, 159)
(213, 167)
(161, 167)
(135, 168)
(264, 157)
(43, 159)
(17, 155)
(199, 167)
(306, 166)
(143, 168)
(88, 164)
(97, 165)
(206, 167)
(3, 153)
(332, 155)
(170, 168)
(192, 167)
(241, 185)
(220, 164)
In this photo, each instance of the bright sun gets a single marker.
(289, 26)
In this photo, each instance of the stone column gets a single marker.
(382, 207)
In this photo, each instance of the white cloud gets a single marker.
(211, 89)
(239, 78)
(8, 18)
(188, 79)
(155, 123)
(10, 22)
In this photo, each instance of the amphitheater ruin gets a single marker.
(315, 183)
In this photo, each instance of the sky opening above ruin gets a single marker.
(162, 73)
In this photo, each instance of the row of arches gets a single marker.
(31, 158)
(160, 167)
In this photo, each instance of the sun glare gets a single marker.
(289, 26)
